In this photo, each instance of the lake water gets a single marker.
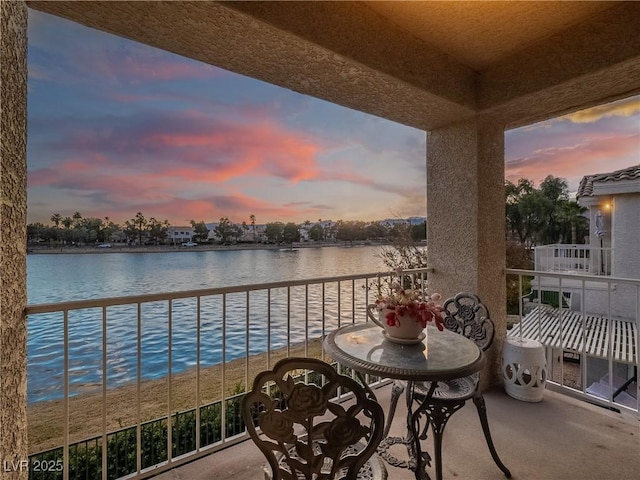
(64, 277)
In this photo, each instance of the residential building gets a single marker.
(178, 235)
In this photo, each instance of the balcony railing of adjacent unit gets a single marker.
(573, 259)
(132, 386)
(589, 326)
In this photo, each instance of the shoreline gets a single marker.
(45, 419)
(50, 250)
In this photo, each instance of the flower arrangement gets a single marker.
(400, 302)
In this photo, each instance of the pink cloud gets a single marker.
(178, 211)
(574, 162)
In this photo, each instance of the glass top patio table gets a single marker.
(440, 356)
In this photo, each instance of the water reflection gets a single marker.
(64, 277)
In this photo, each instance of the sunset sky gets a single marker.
(115, 127)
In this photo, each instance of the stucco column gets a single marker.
(466, 219)
(13, 231)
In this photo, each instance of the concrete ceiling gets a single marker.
(423, 64)
(481, 34)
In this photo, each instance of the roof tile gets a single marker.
(586, 184)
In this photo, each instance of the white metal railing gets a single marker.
(82, 353)
(573, 259)
(590, 327)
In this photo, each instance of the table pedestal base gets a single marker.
(387, 443)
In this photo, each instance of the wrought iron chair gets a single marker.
(464, 314)
(304, 432)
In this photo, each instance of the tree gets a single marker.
(291, 233)
(405, 254)
(534, 209)
(67, 222)
(200, 230)
(77, 216)
(136, 227)
(245, 227)
(515, 221)
(555, 191)
(419, 232)
(274, 232)
(554, 188)
(37, 232)
(307, 226)
(87, 230)
(526, 210)
(572, 213)
(157, 230)
(350, 230)
(544, 215)
(252, 217)
(375, 230)
(226, 231)
(316, 233)
(56, 218)
(130, 231)
(108, 229)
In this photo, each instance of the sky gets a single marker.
(116, 128)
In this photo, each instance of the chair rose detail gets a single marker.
(304, 432)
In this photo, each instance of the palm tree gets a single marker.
(106, 230)
(67, 222)
(137, 226)
(252, 217)
(56, 218)
(77, 217)
(307, 225)
(244, 229)
(572, 213)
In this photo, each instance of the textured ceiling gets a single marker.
(479, 34)
(423, 64)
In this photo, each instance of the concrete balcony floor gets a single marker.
(558, 438)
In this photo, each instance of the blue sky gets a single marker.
(116, 127)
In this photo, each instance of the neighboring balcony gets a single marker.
(588, 325)
(567, 258)
(134, 386)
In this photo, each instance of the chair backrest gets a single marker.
(302, 429)
(466, 314)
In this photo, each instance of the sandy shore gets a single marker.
(45, 419)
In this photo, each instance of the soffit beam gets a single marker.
(223, 34)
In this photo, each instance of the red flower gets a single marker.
(390, 317)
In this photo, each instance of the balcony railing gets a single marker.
(589, 326)
(132, 386)
(573, 259)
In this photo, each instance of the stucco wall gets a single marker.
(626, 235)
(13, 210)
(465, 196)
(626, 252)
